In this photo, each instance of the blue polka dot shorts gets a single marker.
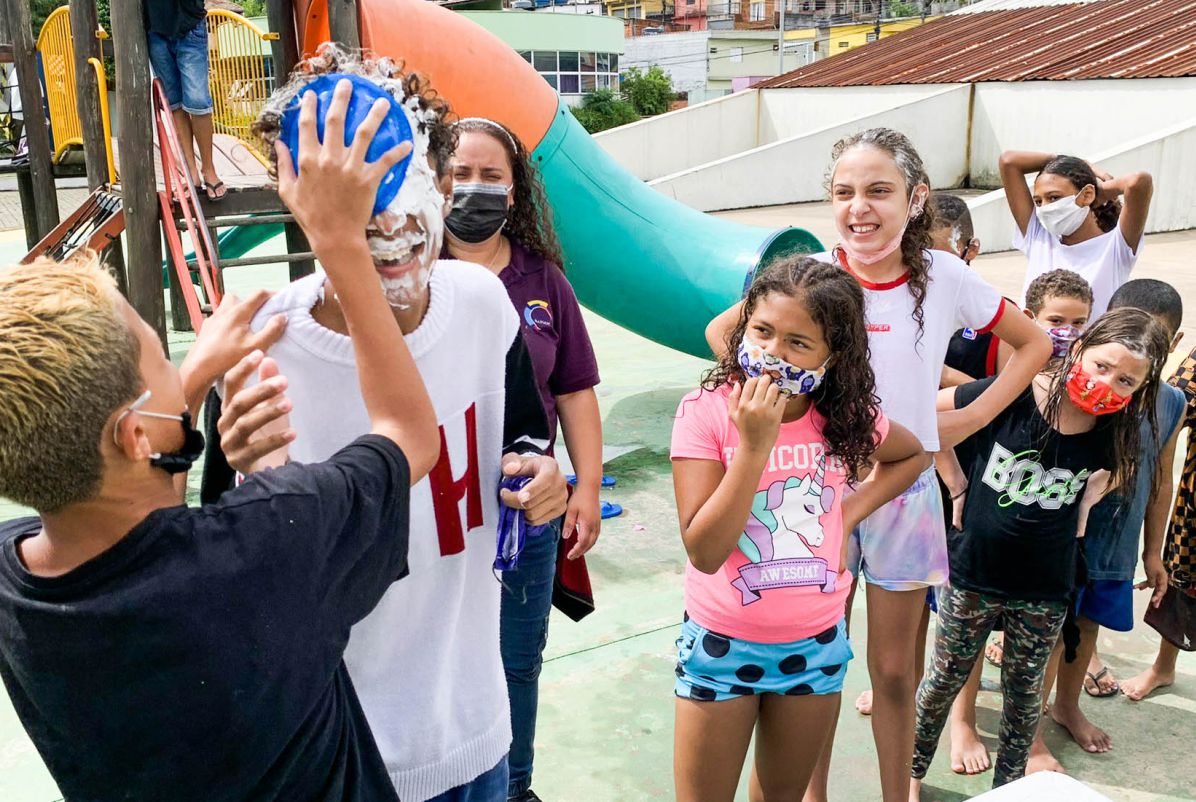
(713, 667)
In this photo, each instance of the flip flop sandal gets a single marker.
(610, 510)
(215, 192)
(1100, 693)
(993, 646)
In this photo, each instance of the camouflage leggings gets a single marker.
(965, 621)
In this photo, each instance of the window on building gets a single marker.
(603, 81)
(588, 83)
(604, 62)
(570, 85)
(544, 60)
(568, 61)
(527, 55)
(614, 63)
(551, 78)
(736, 55)
(588, 62)
(573, 73)
(756, 12)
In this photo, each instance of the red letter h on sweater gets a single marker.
(447, 492)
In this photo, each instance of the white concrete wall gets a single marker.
(791, 112)
(681, 55)
(792, 170)
(679, 139)
(1073, 117)
(1168, 154)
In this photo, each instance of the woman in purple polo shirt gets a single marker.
(501, 220)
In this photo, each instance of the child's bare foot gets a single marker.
(969, 755)
(1041, 758)
(1090, 737)
(915, 790)
(863, 703)
(1139, 687)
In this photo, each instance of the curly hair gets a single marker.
(1080, 174)
(530, 219)
(332, 58)
(847, 396)
(917, 240)
(1058, 283)
(1142, 336)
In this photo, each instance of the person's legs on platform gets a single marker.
(191, 53)
(163, 60)
(1068, 685)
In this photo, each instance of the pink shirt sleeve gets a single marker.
(700, 426)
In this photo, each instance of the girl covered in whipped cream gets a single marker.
(915, 298)
(763, 454)
(1029, 477)
(1076, 217)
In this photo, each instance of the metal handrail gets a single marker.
(238, 80)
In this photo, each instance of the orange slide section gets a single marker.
(437, 43)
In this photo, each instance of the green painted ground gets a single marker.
(606, 717)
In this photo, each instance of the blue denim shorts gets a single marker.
(713, 667)
(1108, 602)
(182, 64)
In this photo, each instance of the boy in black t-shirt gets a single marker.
(1073, 433)
(153, 650)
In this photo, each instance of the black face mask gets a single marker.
(181, 461)
(175, 461)
(479, 212)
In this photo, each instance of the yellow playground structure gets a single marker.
(240, 79)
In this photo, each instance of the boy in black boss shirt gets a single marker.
(155, 651)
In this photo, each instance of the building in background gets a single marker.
(574, 52)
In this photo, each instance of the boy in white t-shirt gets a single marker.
(1073, 219)
(425, 663)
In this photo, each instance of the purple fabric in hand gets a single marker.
(513, 528)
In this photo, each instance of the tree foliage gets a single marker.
(603, 109)
(649, 92)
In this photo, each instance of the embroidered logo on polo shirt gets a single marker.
(878, 327)
(537, 315)
(969, 334)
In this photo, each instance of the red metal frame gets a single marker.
(179, 189)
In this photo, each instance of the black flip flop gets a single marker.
(215, 192)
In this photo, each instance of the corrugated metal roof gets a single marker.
(1106, 39)
(1012, 5)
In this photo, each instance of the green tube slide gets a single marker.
(643, 260)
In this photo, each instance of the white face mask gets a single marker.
(1062, 217)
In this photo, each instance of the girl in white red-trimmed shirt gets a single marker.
(916, 299)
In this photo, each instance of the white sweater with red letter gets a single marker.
(425, 663)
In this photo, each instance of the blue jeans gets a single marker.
(526, 602)
(488, 787)
(182, 65)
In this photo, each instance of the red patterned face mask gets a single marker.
(1092, 396)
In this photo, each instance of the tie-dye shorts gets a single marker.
(713, 667)
(903, 545)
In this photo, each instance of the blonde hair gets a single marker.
(67, 361)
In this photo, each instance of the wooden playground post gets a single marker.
(343, 24)
(285, 54)
(37, 128)
(84, 24)
(138, 181)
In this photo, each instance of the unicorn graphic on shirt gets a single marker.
(785, 518)
(780, 537)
